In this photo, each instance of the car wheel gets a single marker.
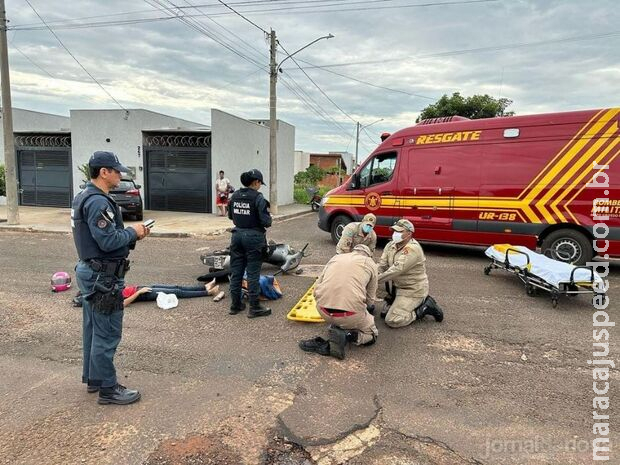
(569, 246)
(139, 216)
(338, 226)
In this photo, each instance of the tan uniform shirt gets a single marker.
(352, 235)
(348, 282)
(405, 268)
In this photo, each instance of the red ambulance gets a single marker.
(550, 181)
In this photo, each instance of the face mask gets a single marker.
(366, 228)
(397, 236)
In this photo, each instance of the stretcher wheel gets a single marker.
(554, 299)
(554, 303)
(487, 269)
(530, 290)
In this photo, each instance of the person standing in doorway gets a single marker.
(222, 189)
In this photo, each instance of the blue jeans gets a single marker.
(101, 334)
(182, 292)
(246, 254)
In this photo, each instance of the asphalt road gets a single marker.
(504, 379)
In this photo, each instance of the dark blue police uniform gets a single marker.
(249, 211)
(102, 244)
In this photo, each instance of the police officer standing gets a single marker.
(250, 213)
(102, 244)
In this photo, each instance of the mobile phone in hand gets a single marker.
(149, 223)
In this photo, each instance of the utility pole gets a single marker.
(357, 141)
(7, 124)
(273, 149)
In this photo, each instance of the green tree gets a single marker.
(310, 177)
(474, 107)
(85, 172)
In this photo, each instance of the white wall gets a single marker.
(302, 161)
(34, 121)
(239, 145)
(91, 128)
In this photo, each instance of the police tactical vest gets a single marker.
(244, 209)
(85, 244)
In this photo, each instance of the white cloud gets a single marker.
(169, 67)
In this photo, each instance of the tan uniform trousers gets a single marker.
(402, 311)
(363, 322)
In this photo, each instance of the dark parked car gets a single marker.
(127, 196)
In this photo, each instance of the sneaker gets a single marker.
(317, 345)
(118, 394)
(258, 310)
(337, 342)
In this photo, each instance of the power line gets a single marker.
(73, 56)
(239, 14)
(294, 9)
(201, 28)
(318, 87)
(242, 4)
(365, 82)
(470, 50)
(31, 61)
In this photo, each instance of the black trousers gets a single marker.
(246, 255)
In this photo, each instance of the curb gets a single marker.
(172, 234)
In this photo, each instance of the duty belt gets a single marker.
(116, 268)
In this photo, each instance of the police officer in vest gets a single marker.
(250, 213)
(102, 244)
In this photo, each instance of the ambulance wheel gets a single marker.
(338, 226)
(569, 246)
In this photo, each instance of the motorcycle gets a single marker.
(315, 198)
(281, 255)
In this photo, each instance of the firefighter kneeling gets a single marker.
(343, 292)
(403, 270)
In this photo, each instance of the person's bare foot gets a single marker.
(219, 296)
(214, 290)
(210, 285)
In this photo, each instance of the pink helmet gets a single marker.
(61, 281)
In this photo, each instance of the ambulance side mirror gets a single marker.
(355, 181)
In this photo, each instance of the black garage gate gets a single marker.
(178, 172)
(44, 169)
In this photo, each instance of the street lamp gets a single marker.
(273, 152)
(357, 137)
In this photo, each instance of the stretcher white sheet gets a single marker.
(551, 271)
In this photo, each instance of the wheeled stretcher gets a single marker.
(538, 271)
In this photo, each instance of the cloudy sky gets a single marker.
(388, 59)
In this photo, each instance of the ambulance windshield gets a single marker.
(378, 170)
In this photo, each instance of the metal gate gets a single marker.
(44, 170)
(178, 172)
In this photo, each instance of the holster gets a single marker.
(107, 296)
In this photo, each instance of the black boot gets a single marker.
(337, 341)
(429, 307)
(317, 345)
(118, 394)
(256, 310)
(236, 307)
(352, 335)
(92, 389)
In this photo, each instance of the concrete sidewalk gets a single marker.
(167, 224)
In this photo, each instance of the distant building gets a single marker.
(325, 161)
(174, 160)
